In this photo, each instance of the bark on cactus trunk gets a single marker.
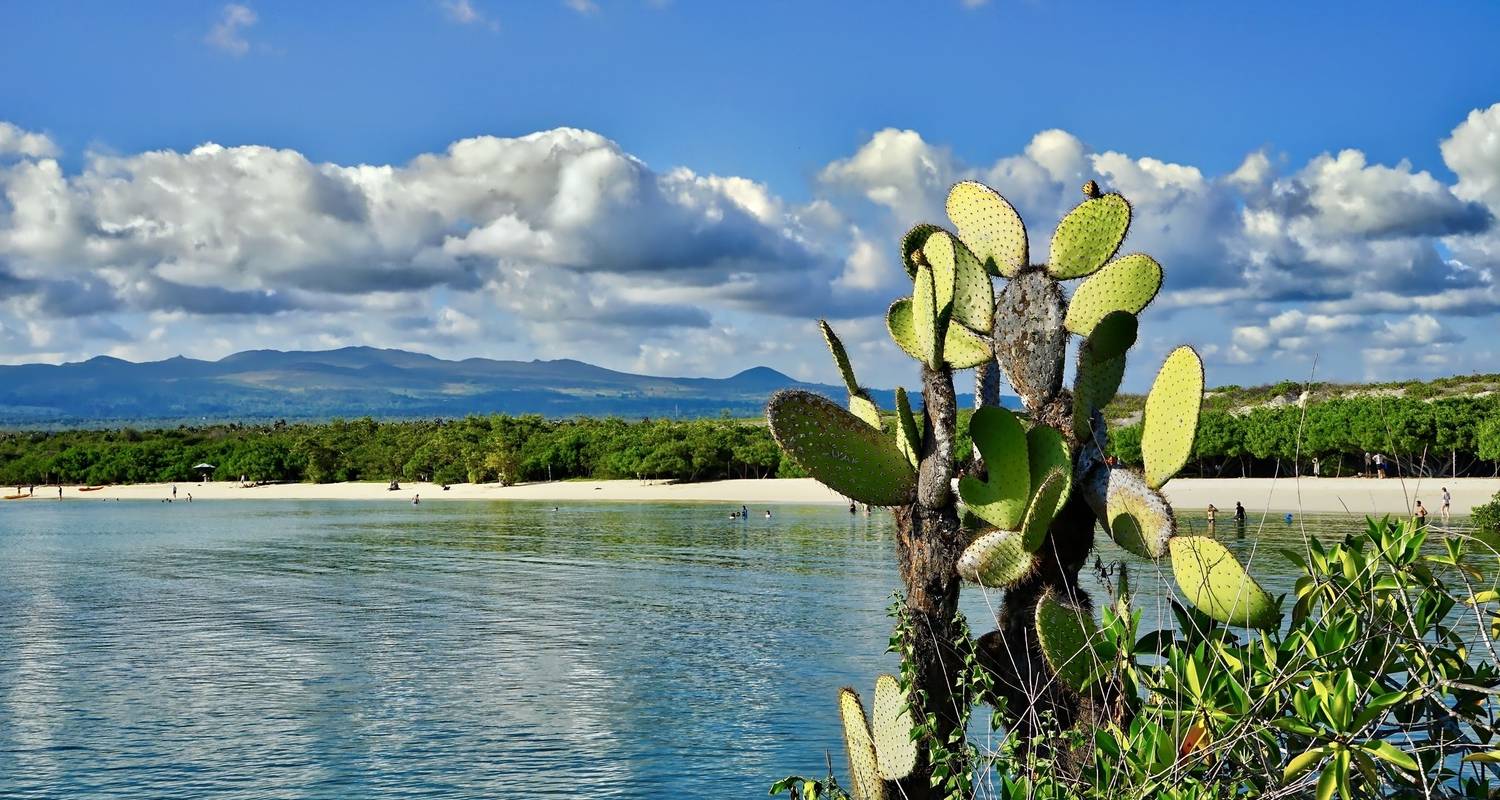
(929, 541)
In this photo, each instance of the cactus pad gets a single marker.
(840, 356)
(973, 293)
(865, 782)
(1047, 450)
(842, 451)
(962, 348)
(1114, 334)
(1066, 635)
(996, 559)
(1171, 423)
(908, 434)
(1088, 236)
(911, 243)
(895, 752)
(1125, 284)
(1001, 498)
(928, 316)
(1212, 578)
(990, 226)
(1030, 341)
(1136, 516)
(1050, 495)
(860, 405)
(1093, 387)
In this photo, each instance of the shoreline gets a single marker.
(1358, 496)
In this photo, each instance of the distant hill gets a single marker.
(358, 381)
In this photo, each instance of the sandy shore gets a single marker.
(1311, 495)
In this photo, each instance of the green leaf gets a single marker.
(1385, 751)
(908, 433)
(1303, 762)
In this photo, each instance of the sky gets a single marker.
(680, 187)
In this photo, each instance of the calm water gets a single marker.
(266, 649)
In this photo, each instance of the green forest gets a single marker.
(1446, 436)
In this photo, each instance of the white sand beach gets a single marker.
(1310, 495)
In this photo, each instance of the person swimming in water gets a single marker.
(768, 513)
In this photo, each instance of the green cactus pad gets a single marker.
(860, 405)
(1171, 423)
(911, 243)
(1001, 499)
(928, 317)
(895, 752)
(1215, 582)
(996, 559)
(1066, 635)
(1047, 450)
(1088, 236)
(1050, 495)
(1093, 387)
(908, 433)
(842, 451)
(973, 293)
(1114, 334)
(962, 348)
(865, 782)
(1137, 517)
(1126, 284)
(840, 357)
(990, 226)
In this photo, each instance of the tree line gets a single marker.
(1458, 436)
(1434, 437)
(474, 449)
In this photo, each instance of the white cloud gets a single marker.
(582, 6)
(560, 243)
(228, 34)
(464, 12)
(15, 141)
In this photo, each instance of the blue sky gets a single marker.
(1287, 162)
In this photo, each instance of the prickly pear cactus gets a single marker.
(1023, 517)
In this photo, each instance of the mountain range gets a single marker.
(259, 385)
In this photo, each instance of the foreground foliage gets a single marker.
(1383, 683)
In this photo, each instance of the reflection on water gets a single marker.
(259, 649)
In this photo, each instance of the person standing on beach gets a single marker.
(1446, 510)
(1366, 473)
(174, 491)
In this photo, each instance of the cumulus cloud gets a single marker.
(560, 243)
(228, 34)
(17, 142)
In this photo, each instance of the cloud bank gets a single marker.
(561, 243)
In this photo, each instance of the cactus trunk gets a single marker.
(929, 541)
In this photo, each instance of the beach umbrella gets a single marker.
(204, 468)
